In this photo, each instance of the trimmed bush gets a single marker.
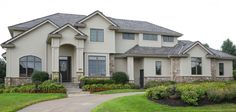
(39, 76)
(89, 81)
(120, 78)
(151, 84)
(234, 74)
(103, 87)
(159, 92)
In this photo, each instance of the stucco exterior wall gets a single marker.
(228, 68)
(33, 43)
(121, 65)
(150, 43)
(185, 63)
(150, 67)
(15, 33)
(108, 46)
(138, 65)
(123, 45)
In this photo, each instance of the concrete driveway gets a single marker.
(74, 103)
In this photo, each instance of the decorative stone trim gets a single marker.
(224, 78)
(112, 63)
(163, 78)
(14, 81)
(192, 78)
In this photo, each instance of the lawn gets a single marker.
(11, 102)
(120, 91)
(139, 103)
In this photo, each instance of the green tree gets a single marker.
(206, 45)
(2, 70)
(229, 47)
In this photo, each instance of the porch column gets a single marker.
(130, 68)
(55, 58)
(79, 60)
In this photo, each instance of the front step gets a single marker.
(72, 88)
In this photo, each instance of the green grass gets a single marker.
(139, 103)
(11, 102)
(120, 91)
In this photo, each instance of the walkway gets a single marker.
(74, 103)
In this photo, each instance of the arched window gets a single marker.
(28, 64)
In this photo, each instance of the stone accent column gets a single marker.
(112, 63)
(130, 68)
(55, 58)
(175, 68)
(213, 68)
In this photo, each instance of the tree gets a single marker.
(206, 45)
(2, 70)
(228, 47)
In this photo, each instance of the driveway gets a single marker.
(74, 103)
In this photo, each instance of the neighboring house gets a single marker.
(68, 46)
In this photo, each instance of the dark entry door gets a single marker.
(65, 68)
(141, 80)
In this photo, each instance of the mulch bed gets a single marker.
(178, 102)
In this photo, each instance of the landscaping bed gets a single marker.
(196, 94)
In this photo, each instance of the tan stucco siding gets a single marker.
(138, 65)
(15, 33)
(228, 68)
(150, 43)
(68, 37)
(33, 43)
(150, 67)
(123, 45)
(108, 46)
(121, 65)
(185, 63)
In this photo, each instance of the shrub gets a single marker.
(159, 92)
(234, 74)
(216, 95)
(51, 86)
(89, 81)
(39, 76)
(190, 97)
(102, 87)
(2, 86)
(120, 77)
(151, 84)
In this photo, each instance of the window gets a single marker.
(97, 65)
(196, 64)
(128, 36)
(150, 37)
(96, 35)
(221, 68)
(28, 64)
(168, 39)
(158, 68)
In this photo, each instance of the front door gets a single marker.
(141, 79)
(65, 68)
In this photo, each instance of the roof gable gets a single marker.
(97, 13)
(31, 29)
(195, 44)
(66, 26)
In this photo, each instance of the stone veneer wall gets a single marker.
(175, 67)
(192, 78)
(112, 63)
(14, 81)
(147, 79)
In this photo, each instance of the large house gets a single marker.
(68, 46)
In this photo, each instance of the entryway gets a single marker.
(65, 68)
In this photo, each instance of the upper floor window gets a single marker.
(97, 65)
(128, 36)
(96, 35)
(168, 39)
(28, 64)
(158, 67)
(196, 64)
(221, 68)
(150, 37)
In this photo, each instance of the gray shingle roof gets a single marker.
(61, 19)
(173, 51)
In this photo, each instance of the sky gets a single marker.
(207, 21)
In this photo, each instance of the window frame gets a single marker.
(132, 35)
(96, 38)
(168, 38)
(97, 65)
(160, 71)
(197, 61)
(150, 37)
(221, 69)
(26, 60)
